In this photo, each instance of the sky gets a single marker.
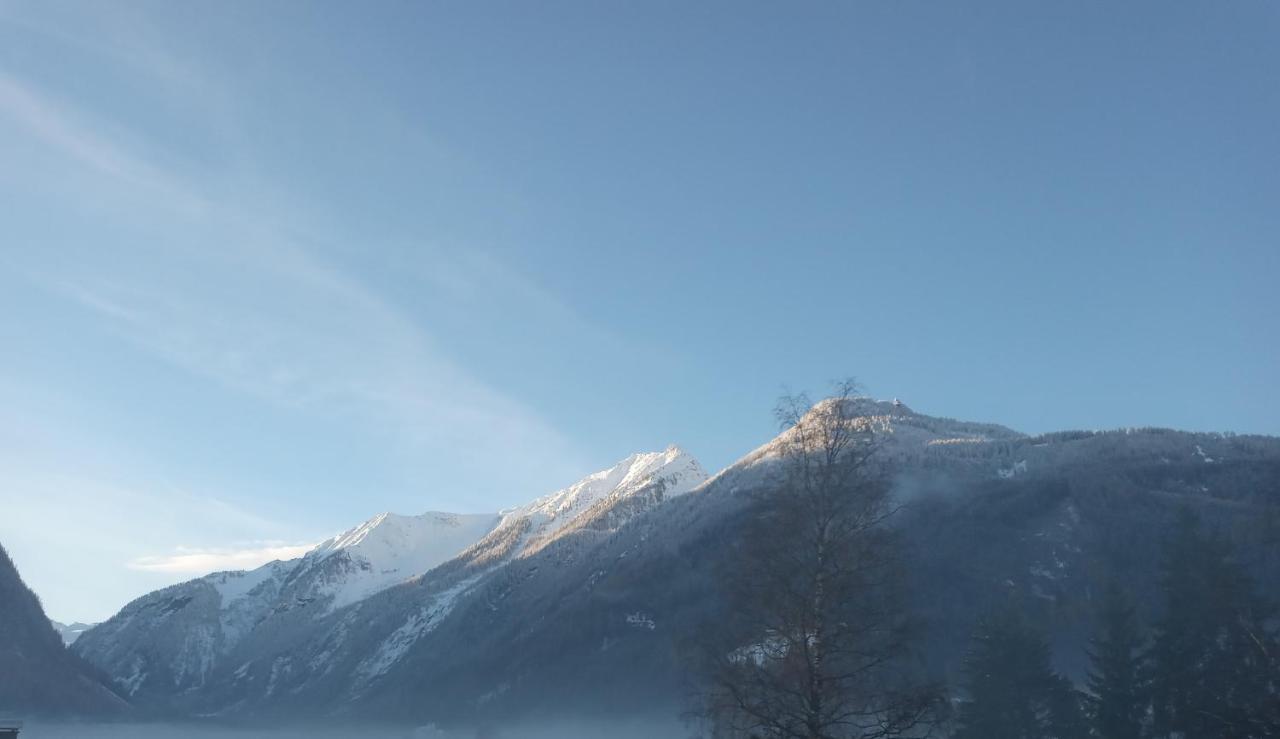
(268, 269)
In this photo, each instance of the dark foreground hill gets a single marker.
(38, 675)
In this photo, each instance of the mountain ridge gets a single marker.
(176, 635)
(588, 613)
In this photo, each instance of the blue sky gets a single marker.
(269, 269)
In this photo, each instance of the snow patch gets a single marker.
(1042, 571)
(280, 667)
(235, 585)
(772, 649)
(420, 623)
(136, 677)
(641, 620)
(242, 671)
(1018, 468)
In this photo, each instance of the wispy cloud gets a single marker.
(228, 278)
(280, 325)
(120, 35)
(96, 302)
(199, 561)
(54, 125)
(234, 297)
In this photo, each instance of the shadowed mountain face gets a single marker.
(38, 676)
(587, 613)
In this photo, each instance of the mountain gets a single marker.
(620, 490)
(385, 550)
(598, 624)
(38, 676)
(186, 638)
(176, 636)
(582, 601)
(72, 631)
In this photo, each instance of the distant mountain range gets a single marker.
(580, 601)
(72, 631)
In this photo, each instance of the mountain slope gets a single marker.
(544, 520)
(388, 549)
(183, 640)
(38, 676)
(171, 639)
(598, 624)
(580, 602)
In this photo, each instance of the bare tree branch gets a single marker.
(818, 613)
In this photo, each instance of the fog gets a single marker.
(621, 729)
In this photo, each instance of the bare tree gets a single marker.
(815, 642)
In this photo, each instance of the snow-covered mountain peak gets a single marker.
(678, 470)
(901, 433)
(896, 422)
(392, 534)
(391, 548)
(202, 621)
(640, 468)
(867, 407)
(673, 469)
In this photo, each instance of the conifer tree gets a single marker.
(1213, 662)
(1067, 719)
(1012, 689)
(1118, 701)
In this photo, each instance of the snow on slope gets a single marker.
(901, 433)
(394, 647)
(523, 531)
(233, 585)
(547, 516)
(246, 596)
(185, 631)
(389, 549)
(186, 628)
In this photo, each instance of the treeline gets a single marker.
(1208, 668)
